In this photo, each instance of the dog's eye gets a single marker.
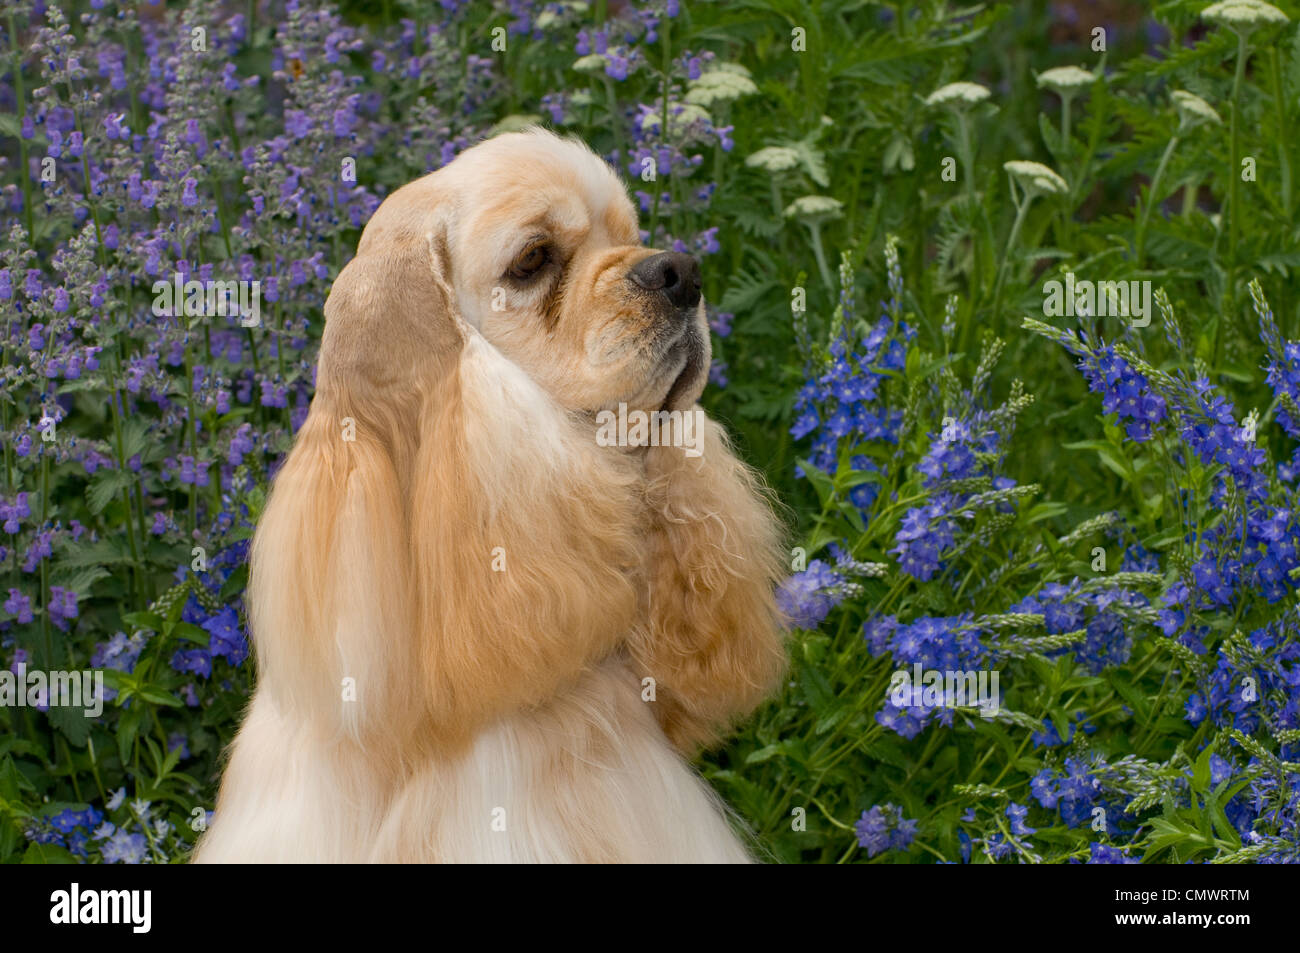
(530, 262)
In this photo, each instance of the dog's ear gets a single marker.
(330, 592)
(526, 543)
(712, 636)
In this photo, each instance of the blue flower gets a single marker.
(1099, 853)
(1044, 788)
(806, 598)
(883, 828)
(1126, 393)
(228, 639)
(951, 455)
(1220, 769)
(124, 848)
(1017, 813)
(925, 533)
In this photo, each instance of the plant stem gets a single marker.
(45, 581)
(1021, 209)
(616, 119)
(1279, 104)
(1234, 192)
(1190, 192)
(967, 154)
(20, 106)
(1153, 197)
(1065, 124)
(94, 769)
(815, 229)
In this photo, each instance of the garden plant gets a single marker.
(1005, 302)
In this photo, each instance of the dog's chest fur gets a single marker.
(589, 778)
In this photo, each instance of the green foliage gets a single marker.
(942, 251)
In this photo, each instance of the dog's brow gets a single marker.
(570, 233)
(618, 223)
(544, 224)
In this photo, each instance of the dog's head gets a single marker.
(446, 508)
(547, 263)
(536, 241)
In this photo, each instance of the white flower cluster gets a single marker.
(722, 83)
(958, 94)
(1036, 177)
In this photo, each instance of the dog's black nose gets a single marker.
(674, 274)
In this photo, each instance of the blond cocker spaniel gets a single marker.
(491, 623)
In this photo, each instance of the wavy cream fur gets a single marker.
(456, 610)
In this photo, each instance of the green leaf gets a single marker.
(157, 696)
(12, 128)
(1125, 689)
(813, 162)
(763, 754)
(745, 290)
(48, 854)
(108, 551)
(127, 728)
(233, 415)
(1168, 833)
(833, 718)
(12, 781)
(1051, 136)
(1044, 511)
(104, 486)
(149, 621)
(192, 633)
(135, 436)
(1201, 771)
(72, 723)
(816, 689)
(898, 155)
(235, 584)
(1219, 820)
(1109, 457)
(79, 580)
(822, 483)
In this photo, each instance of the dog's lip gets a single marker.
(671, 343)
(690, 367)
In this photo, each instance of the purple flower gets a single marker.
(114, 128)
(883, 828)
(1099, 853)
(297, 123)
(228, 640)
(1017, 813)
(124, 848)
(62, 607)
(19, 605)
(806, 598)
(197, 661)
